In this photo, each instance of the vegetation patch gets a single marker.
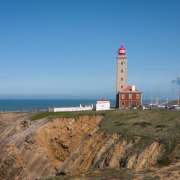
(164, 161)
(51, 115)
(151, 178)
(142, 144)
(99, 174)
(119, 124)
(142, 124)
(160, 126)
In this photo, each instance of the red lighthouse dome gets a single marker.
(122, 50)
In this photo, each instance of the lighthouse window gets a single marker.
(121, 63)
(122, 70)
(122, 79)
(121, 86)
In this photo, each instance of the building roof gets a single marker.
(103, 100)
(130, 89)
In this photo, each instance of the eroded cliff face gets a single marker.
(110, 151)
(30, 150)
(60, 137)
(69, 146)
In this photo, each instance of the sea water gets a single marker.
(42, 104)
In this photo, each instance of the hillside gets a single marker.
(113, 144)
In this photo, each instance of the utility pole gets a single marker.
(177, 83)
(178, 101)
(167, 101)
(157, 100)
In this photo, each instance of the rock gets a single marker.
(149, 156)
(37, 149)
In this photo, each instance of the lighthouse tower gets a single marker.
(122, 72)
(127, 96)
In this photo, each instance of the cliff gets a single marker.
(78, 146)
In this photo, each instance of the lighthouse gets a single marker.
(122, 69)
(127, 96)
(122, 72)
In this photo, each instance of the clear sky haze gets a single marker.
(68, 48)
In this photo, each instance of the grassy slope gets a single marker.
(64, 114)
(157, 124)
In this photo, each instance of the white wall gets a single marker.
(102, 105)
(72, 109)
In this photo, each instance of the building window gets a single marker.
(137, 96)
(122, 71)
(122, 96)
(121, 87)
(130, 96)
(122, 79)
(121, 63)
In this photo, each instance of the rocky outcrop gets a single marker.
(60, 137)
(112, 151)
(67, 146)
(170, 172)
(30, 150)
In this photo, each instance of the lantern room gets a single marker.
(122, 50)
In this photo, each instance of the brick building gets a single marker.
(129, 97)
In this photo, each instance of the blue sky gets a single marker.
(68, 48)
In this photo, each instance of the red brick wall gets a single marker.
(127, 100)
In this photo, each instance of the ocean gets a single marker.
(42, 105)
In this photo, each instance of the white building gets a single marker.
(102, 105)
(72, 109)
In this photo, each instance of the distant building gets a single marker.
(102, 105)
(127, 96)
(72, 109)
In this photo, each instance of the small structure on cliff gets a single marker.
(102, 105)
(127, 96)
(72, 109)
